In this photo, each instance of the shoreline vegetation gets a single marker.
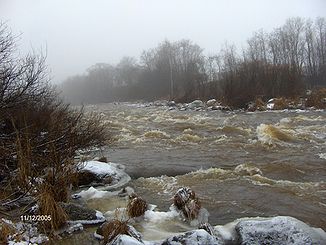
(41, 136)
(283, 63)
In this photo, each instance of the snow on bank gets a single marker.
(25, 234)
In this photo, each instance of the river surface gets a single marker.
(240, 164)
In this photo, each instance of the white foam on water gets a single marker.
(159, 217)
(322, 155)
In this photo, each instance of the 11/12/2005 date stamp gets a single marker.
(25, 218)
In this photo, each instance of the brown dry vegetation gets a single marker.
(49, 206)
(136, 207)
(317, 99)
(260, 104)
(185, 200)
(5, 231)
(114, 228)
(280, 104)
(39, 134)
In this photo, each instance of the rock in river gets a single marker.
(195, 237)
(278, 230)
(83, 215)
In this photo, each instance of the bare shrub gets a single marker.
(280, 104)
(39, 134)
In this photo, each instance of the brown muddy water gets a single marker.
(240, 164)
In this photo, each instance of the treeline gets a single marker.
(282, 63)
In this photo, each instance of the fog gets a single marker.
(77, 34)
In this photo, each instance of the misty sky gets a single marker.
(80, 33)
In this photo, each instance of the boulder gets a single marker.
(111, 232)
(85, 177)
(195, 237)
(171, 103)
(196, 104)
(125, 240)
(211, 102)
(101, 173)
(79, 214)
(278, 230)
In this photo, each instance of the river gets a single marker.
(240, 164)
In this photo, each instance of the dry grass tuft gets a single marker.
(112, 229)
(49, 206)
(136, 207)
(6, 230)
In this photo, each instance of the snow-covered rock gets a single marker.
(196, 104)
(126, 240)
(195, 237)
(278, 230)
(95, 172)
(171, 103)
(211, 102)
(270, 104)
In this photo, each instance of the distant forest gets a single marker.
(282, 63)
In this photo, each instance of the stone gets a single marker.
(195, 237)
(171, 103)
(211, 102)
(278, 230)
(85, 177)
(78, 212)
(125, 240)
(196, 104)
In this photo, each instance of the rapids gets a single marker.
(240, 164)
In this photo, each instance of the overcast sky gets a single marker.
(80, 33)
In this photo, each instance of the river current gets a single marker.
(240, 164)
